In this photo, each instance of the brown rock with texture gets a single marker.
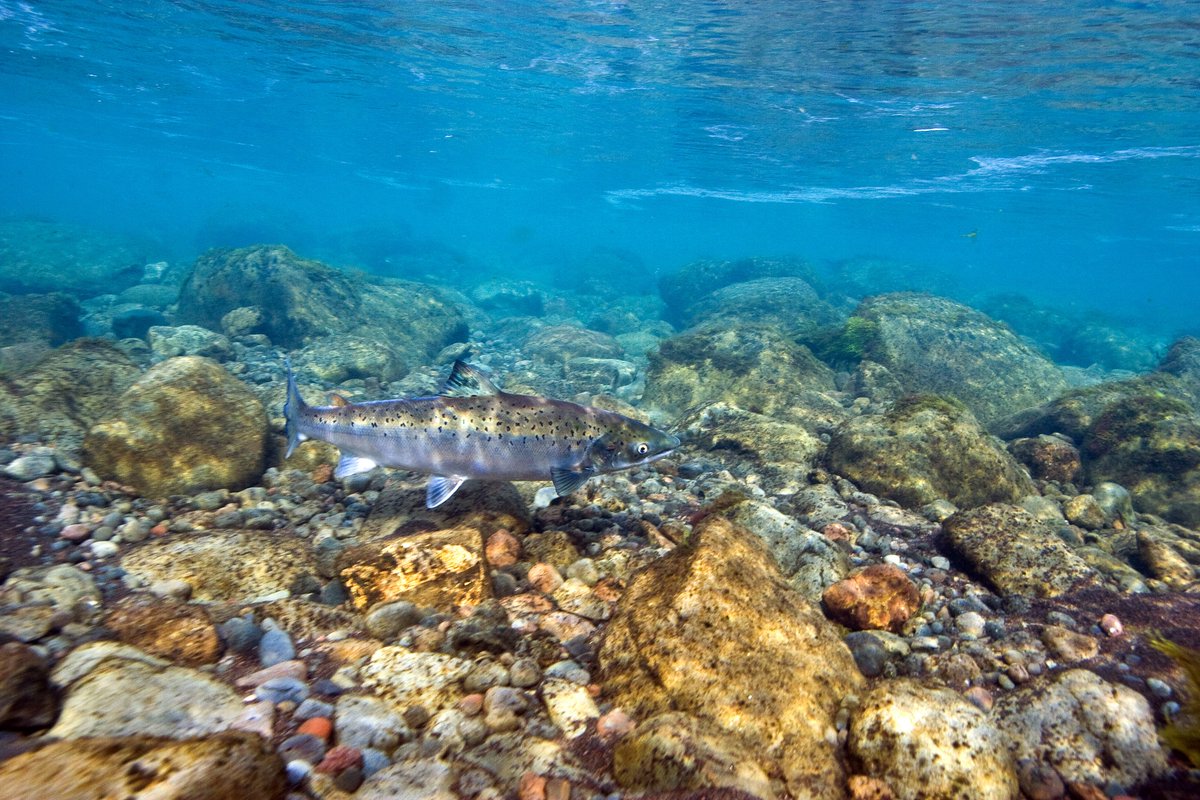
(27, 701)
(713, 630)
(231, 764)
(178, 632)
(880, 597)
(1050, 458)
(438, 569)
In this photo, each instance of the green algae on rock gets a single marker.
(754, 367)
(1015, 552)
(185, 426)
(789, 303)
(714, 631)
(923, 449)
(935, 345)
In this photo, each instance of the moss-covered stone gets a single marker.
(65, 392)
(185, 426)
(304, 302)
(557, 344)
(926, 448)
(789, 303)
(50, 318)
(756, 368)
(934, 345)
(690, 283)
(714, 631)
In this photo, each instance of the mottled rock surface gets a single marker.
(48, 318)
(219, 767)
(27, 700)
(930, 742)
(923, 449)
(178, 632)
(1090, 730)
(1015, 552)
(934, 345)
(37, 256)
(809, 561)
(185, 426)
(790, 303)
(879, 597)
(438, 569)
(713, 630)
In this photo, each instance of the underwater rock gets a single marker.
(404, 678)
(558, 344)
(756, 368)
(1150, 444)
(1183, 362)
(809, 561)
(1049, 458)
(230, 764)
(1090, 730)
(49, 318)
(189, 340)
(185, 426)
(510, 298)
(780, 453)
(304, 301)
(790, 304)
(691, 282)
(923, 449)
(58, 398)
(117, 690)
(38, 257)
(179, 632)
(1015, 553)
(714, 631)
(487, 506)
(224, 566)
(135, 323)
(934, 345)
(930, 742)
(342, 357)
(27, 701)
(674, 752)
(1160, 554)
(441, 569)
(880, 597)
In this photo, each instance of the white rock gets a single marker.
(405, 678)
(570, 706)
(363, 721)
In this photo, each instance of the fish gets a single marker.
(471, 429)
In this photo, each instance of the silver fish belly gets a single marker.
(472, 430)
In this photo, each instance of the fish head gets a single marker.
(630, 443)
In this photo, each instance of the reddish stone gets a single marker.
(531, 787)
(320, 727)
(544, 577)
(340, 758)
(863, 787)
(880, 597)
(471, 704)
(502, 549)
(616, 724)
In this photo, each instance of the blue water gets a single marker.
(1050, 149)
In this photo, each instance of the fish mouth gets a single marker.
(657, 456)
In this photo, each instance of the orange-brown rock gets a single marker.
(178, 632)
(439, 569)
(880, 597)
(230, 764)
(27, 700)
(503, 549)
(714, 630)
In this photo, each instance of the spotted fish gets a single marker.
(473, 430)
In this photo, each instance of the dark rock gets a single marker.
(924, 449)
(175, 631)
(1049, 458)
(930, 344)
(869, 653)
(49, 318)
(27, 700)
(135, 323)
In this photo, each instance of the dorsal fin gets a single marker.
(467, 381)
(337, 401)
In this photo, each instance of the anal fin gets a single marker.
(568, 480)
(352, 465)
(441, 488)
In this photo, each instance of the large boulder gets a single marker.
(692, 282)
(38, 257)
(930, 742)
(754, 367)
(1091, 731)
(65, 392)
(440, 569)
(299, 302)
(49, 318)
(935, 345)
(185, 426)
(231, 764)
(924, 449)
(712, 630)
(790, 303)
(1016, 553)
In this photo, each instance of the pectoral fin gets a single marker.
(441, 488)
(352, 465)
(567, 481)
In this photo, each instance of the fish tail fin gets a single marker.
(292, 408)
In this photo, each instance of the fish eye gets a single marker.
(642, 448)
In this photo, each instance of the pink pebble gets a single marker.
(544, 577)
(1111, 625)
(340, 758)
(284, 669)
(471, 704)
(76, 532)
(616, 724)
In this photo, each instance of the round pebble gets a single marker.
(972, 624)
(1111, 625)
(524, 673)
(320, 727)
(282, 690)
(275, 646)
(105, 549)
(303, 747)
(1160, 688)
